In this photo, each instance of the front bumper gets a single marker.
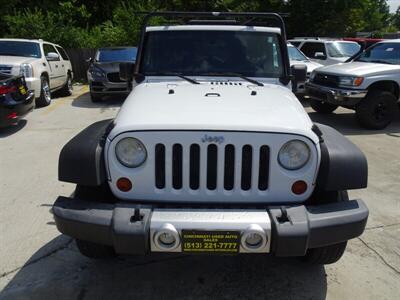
(34, 84)
(105, 87)
(290, 230)
(337, 96)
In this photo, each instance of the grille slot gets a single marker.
(263, 172)
(241, 167)
(229, 167)
(247, 159)
(212, 159)
(194, 167)
(177, 166)
(114, 77)
(326, 80)
(160, 166)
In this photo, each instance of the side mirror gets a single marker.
(126, 70)
(319, 55)
(89, 60)
(52, 56)
(299, 75)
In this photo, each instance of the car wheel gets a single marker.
(45, 95)
(67, 89)
(322, 107)
(95, 98)
(377, 110)
(93, 250)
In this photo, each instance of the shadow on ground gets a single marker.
(5, 132)
(63, 273)
(345, 122)
(107, 101)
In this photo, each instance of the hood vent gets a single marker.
(225, 83)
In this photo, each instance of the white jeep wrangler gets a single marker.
(212, 153)
(46, 66)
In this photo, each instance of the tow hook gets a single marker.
(284, 216)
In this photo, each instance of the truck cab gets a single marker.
(212, 153)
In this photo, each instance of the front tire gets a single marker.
(322, 107)
(45, 95)
(325, 255)
(377, 110)
(93, 250)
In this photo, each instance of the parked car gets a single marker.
(46, 66)
(15, 99)
(212, 152)
(326, 51)
(370, 85)
(296, 57)
(103, 72)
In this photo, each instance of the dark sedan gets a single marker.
(103, 72)
(15, 99)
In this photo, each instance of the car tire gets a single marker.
(332, 253)
(377, 110)
(93, 250)
(325, 255)
(45, 95)
(95, 98)
(67, 88)
(322, 107)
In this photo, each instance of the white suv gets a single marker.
(46, 66)
(326, 51)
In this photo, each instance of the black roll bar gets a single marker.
(250, 17)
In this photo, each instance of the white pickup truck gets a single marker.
(370, 84)
(46, 66)
(212, 152)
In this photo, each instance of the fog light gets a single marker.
(167, 238)
(124, 184)
(254, 238)
(299, 187)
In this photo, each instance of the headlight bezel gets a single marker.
(350, 81)
(286, 147)
(124, 161)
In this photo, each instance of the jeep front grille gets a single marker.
(236, 162)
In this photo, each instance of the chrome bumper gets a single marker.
(287, 231)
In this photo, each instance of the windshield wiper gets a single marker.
(9, 54)
(174, 74)
(233, 75)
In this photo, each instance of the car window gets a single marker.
(116, 54)
(47, 48)
(295, 54)
(310, 48)
(17, 48)
(201, 52)
(387, 53)
(63, 54)
(296, 44)
(342, 49)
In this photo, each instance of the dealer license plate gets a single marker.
(195, 241)
(22, 90)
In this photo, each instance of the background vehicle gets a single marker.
(326, 51)
(103, 72)
(15, 99)
(296, 57)
(46, 66)
(212, 152)
(370, 85)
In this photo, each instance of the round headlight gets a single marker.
(294, 155)
(130, 152)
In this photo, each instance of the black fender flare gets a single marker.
(81, 160)
(343, 165)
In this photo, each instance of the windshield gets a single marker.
(116, 54)
(25, 49)
(251, 54)
(342, 49)
(387, 53)
(296, 54)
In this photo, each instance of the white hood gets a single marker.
(206, 106)
(360, 69)
(15, 60)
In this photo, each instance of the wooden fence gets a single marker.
(78, 59)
